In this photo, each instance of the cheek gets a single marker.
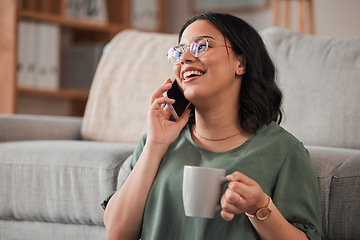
(176, 71)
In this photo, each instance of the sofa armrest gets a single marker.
(327, 162)
(33, 127)
(344, 200)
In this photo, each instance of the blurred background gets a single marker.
(49, 50)
(331, 17)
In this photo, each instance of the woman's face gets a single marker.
(213, 75)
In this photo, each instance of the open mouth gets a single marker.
(192, 73)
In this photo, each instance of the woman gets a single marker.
(223, 68)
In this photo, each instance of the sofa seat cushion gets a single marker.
(58, 181)
(320, 80)
(31, 230)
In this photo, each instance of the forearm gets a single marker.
(277, 227)
(124, 213)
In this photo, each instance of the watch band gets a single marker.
(262, 213)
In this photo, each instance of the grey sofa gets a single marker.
(55, 171)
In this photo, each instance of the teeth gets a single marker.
(189, 73)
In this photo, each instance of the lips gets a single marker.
(191, 72)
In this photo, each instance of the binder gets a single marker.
(54, 57)
(27, 48)
(21, 65)
(48, 56)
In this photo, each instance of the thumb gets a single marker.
(184, 118)
(240, 177)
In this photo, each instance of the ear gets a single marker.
(241, 66)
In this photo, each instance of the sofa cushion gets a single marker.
(344, 208)
(132, 67)
(58, 181)
(31, 230)
(320, 80)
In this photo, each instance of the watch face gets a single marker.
(263, 213)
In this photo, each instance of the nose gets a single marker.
(186, 56)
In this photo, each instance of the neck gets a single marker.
(216, 117)
(217, 123)
(218, 133)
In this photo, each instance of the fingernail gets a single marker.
(230, 177)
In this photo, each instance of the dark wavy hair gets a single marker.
(260, 96)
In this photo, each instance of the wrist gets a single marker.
(263, 202)
(156, 149)
(262, 213)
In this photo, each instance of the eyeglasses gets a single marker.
(198, 47)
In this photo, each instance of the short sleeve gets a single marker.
(126, 169)
(296, 194)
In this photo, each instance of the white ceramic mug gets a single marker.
(202, 188)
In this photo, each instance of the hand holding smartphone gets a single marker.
(181, 103)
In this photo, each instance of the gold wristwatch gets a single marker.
(262, 213)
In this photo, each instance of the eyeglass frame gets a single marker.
(182, 47)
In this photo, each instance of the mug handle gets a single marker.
(223, 180)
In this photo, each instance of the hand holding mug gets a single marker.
(242, 195)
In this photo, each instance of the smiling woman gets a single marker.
(223, 68)
(259, 90)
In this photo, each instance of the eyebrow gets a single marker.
(205, 36)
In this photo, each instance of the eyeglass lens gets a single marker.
(197, 48)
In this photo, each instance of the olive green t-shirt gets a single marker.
(272, 157)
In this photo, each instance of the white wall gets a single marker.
(337, 17)
(332, 17)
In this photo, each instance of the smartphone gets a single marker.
(181, 103)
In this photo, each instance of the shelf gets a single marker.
(71, 94)
(73, 31)
(75, 23)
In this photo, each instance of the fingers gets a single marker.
(232, 202)
(242, 195)
(232, 197)
(158, 93)
(161, 129)
(227, 216)
(241, 184)
(184, 117)
(157, 99)
(240, 177)
(158, 102)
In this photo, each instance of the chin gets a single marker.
(189, 93)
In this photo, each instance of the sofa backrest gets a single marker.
(133, 65)
(319, 76)
(320, 79)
